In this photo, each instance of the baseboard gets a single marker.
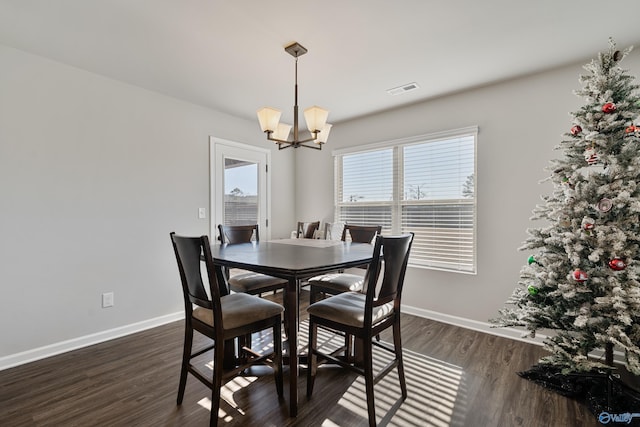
(39, 353)
(512, 333)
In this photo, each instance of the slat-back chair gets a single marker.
(222, 317)
(365, 315)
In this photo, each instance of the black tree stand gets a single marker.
(610, 399)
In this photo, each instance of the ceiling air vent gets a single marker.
(403, 89)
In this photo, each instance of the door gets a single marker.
(239, 185)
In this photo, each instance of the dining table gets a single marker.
(293, 260)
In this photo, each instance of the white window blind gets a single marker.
(365, 190)
(424, 185)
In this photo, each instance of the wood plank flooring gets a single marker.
(456, 377)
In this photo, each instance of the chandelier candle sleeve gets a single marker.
(269, 118)
(316, 118)
(324, 134)
(282, 131)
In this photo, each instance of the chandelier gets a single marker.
(315, 117)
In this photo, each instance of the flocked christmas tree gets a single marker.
(582, 279)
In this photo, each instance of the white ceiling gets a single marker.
(228, 54)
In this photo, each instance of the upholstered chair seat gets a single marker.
(339, 282)
(239, 310)
(348, 309)
(255, 283)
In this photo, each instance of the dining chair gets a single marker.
(246, 281)
(307, 230)
(336, 283)
(365, 315)
(222, 317)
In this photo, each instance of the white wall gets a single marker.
(94, 174)
(520, 122)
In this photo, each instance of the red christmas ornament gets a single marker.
(588, 226)
(580, 276)
(609, 107)
(575, 130)
(617, 264)
(632, 128)
(591, 156)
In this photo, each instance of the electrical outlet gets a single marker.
(107, 299)
(202, 213)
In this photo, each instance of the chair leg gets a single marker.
(218, 357)
(368, 380)
(397, 344)
(244, 341)
(285, 324)
(313, 295)
(311, 357)
(186, 357)
(349, 351)
(277, 358)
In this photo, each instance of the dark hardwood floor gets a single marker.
(455, 377)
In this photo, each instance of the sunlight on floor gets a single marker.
(206, 404)
(434, 389)
(227, 393)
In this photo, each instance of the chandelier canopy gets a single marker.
(315, 117)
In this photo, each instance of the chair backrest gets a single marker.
(238, 233)
(333, 230)
(189, 252)
(307, 230)
(395, 256)
(361, 233)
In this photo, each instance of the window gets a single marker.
(425, 185)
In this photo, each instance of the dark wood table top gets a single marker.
(292, 258)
